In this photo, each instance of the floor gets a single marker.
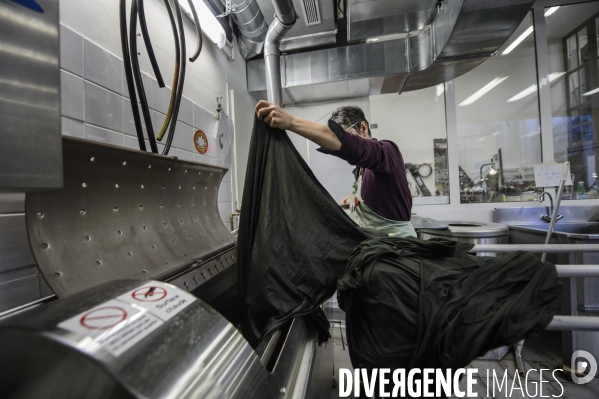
(539, 353)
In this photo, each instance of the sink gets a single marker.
(580, 230)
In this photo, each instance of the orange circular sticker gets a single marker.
(200, 141)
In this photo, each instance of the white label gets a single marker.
(120, 323)
(549, 175)
(113, 325)
(163, 300)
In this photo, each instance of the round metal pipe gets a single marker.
(577, 270)
(535, 248)
(574, 323)
(279, 27)
(249, 19)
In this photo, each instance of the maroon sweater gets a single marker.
(384, 183)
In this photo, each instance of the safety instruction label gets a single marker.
(163, 300)
(120, 323)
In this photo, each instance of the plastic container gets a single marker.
(581, 192)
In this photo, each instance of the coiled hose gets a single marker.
(129, 75)
(144, 31)
(137, 77)
(179, 91)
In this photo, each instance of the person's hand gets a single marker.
(345, 202)
(274, 115)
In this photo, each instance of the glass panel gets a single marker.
(415, 121)
(583, 48)
(498, 133)
(575, 96)
(572, 53)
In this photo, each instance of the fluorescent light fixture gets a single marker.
(589, 93)
(210, 25)
(376, 39)
(486, 88)
(551, 11)
(440, 88)
(531, 89)
(481, 139)
(497, 133)
(518, 41)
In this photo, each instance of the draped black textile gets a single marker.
(428, 304)
(409, 303)
(294, 239)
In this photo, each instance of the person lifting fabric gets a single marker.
(409, 303)
(381, 197)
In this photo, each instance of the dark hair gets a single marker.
(349, 115)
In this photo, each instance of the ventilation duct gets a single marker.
(457, 37)
(252, 27)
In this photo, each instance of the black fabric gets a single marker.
(428, 304)
(409, 303)
(294, 240)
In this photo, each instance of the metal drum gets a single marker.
(474, 232)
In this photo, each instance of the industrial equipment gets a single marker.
(146, 276)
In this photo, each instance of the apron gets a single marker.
(364, 216)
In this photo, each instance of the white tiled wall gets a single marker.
(95, 106)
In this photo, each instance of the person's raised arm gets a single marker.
(277, 117)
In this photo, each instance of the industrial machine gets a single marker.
(146, 275)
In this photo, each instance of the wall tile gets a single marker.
(103, 135)
(73, 128)
(71, 51)
(102, 67)
(184, 155)
(186, 111)
(157, 121)
(128, 123)
(201, 158)
(183, 138)
(103, 108)
(203, 119)
(71, 96)
(160, 98)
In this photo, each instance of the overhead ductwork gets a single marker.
(453, 37)
(315, 26)
(251, 24)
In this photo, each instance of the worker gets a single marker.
(381, 197)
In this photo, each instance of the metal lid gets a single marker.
(421, 223)
(471, 229)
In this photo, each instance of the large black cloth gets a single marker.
(409, 303)
(428, 304)
(294, 239)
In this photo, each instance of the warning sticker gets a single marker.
(120, 323)
(163, 300)
(114, 325)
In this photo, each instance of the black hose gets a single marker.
(171, 133)
(148, 43)
(171, 105)
(196, 20)
(137, 76)
(129, 75)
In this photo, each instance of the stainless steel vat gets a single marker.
(474, 232)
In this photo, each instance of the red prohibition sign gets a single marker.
(149, 294)
(103, 318)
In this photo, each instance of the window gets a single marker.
(498, 123)
(415, 121)
(575, 95)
